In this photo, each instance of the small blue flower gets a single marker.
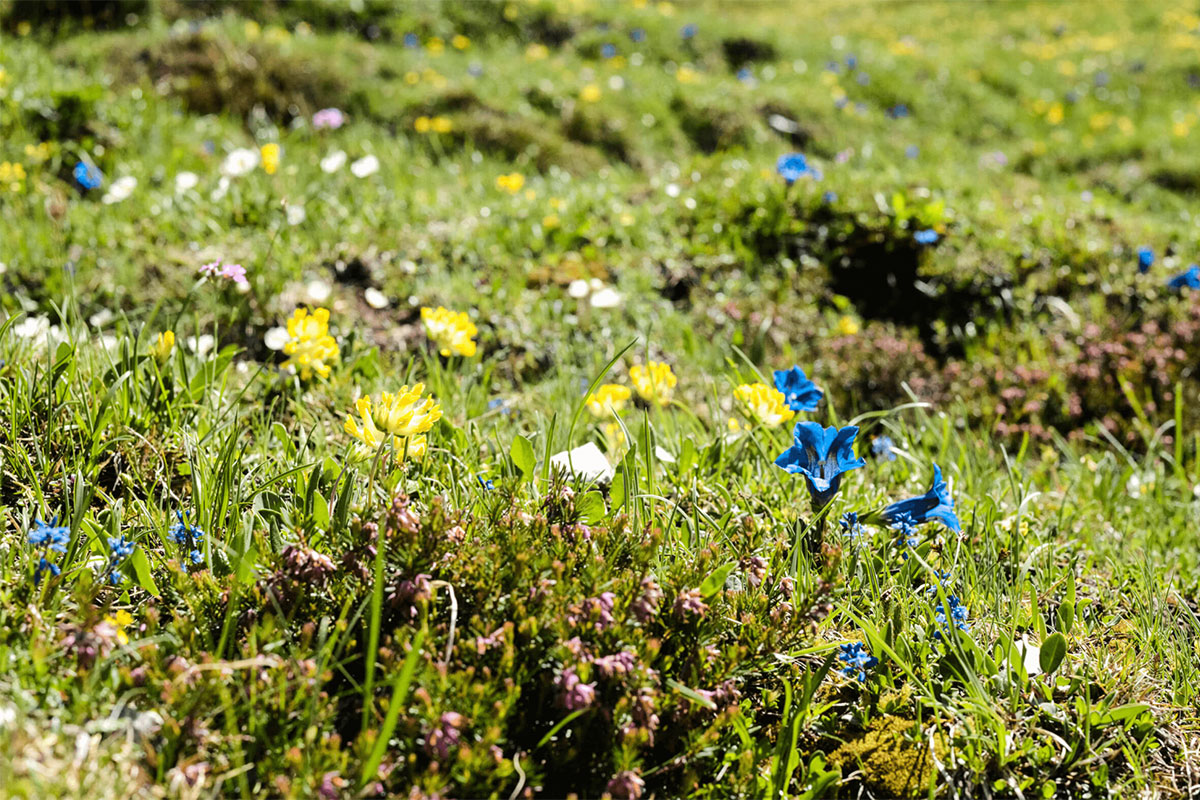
(906, 528)
(1188, 279)
(43, 567)
(121, 549)
(793, 166)
(857, 660)
(196, 556)
(50, 535)
(411, 41)
(934, 505)
(957, 617)
(1145, 259)
(184, 534)
(851, 62)
(927, 236)
(851, 528)
(486, 483)
(798, 391)
(745, 75)
(87, 176)
(912, 151)
(942, 580)
(897, 111)
(883, 447)
(829, 197)
(608, 50)
(821, 456)
(638, 34)
(688, 31)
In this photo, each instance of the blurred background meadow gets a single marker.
(231, 565)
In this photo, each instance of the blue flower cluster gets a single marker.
(956, 617)
(186, 535)
(856, 660)
(883, 447)
(926, 236)
(852, 529)
(119, 550)
(794, 166)
(51, 537)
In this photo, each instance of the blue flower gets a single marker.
(486, 483)
(934, 505)
(121, 549)
(829, 197)
(927, 236)
(1145, 259)
(884, 447)
(851, 62)
(793, 166)
(798, 391)
(745, 75)
(688, 31)
(957, 617)
(638, 34)
(857, 660)
(851, 527)
(821, 456)
(50, 535)
(184, 534)
(87, 176)
(912, 151)
(906, 527)
(411, 40)
(1188, 279)
(43, 567)
(608, 50)
(897, 111)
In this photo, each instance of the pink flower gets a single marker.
(627, 785)
(331, 118)
(646, 606)
(690, 602)
(576, 693)
(230, 272)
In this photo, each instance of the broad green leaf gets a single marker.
(1054, 650)
(522, 456)
(716, 580)
(590, 507)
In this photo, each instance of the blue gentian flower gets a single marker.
(883, 447)
(486, 483)
(608, 50)
(957, 617)
(927, 236)
(88, 176)
(857, 660)
(851, 527)
(50, 535)
(935, 505)
(1145, 259)
(793, 166)
(1188, 279)
(688, 31)
(821, 456)
(798, 391)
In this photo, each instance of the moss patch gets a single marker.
(890, 759)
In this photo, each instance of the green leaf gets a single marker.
(141, 569)
(716, 580)
(687, 456)
(1124, 713)
(1054, 650)
(617, 490)
(691, 694)
(399, 692)
(590, 507)
(320, 511)
(522, 456)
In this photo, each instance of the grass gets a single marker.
(302, 616)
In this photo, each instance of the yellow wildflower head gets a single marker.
(270, 157)
(310, 348)
(847, 326)
(422, 124)
(452, 332)
(510, 183)
(590, 93)
(654, 382)
(764, 404)
(460, 42)
(614, 441)
(119, 622)
(441, 124)
(608, 399)
(163, 345)
(404, 416)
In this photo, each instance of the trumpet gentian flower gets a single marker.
(936, 505)
(821, 456)
(799, 392)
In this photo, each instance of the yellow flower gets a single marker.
(460, 42)
(404, 416)
(37, 153)
(452, 332)
(654, 382)
(270, 157)
(435, 46)
(163, 344)
(120, 621)
(1055, 115)
(422, 125)
(614, 440)
(590, 93)
(847, 326)
(764, 404)
(608, 399)
(441, 124)
(536, 52)
(687, 75)
(310, 348)
(510, 183)
(12, 174)
(412, 78)
(550, 221)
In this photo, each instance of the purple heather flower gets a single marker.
(331, 118)
(646, 606)
(627, 785)
(690, 602)
(576, 693)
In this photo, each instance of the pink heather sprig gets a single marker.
(230, 272)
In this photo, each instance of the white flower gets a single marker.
(186, 181)
(375, 298)
(240, 162)
(276, 338)
(607, 297)
(201, 344)
(120, 190)
(318, 291)
(578, 289)
(32, 327)
(333, 162)
(296, 215)
(367, 165)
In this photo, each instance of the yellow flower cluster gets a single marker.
(510, 183)
(38, 153)
(607, 400)
(270, 157)
(435, 124)
(12, 175)
(310, 348)
(404, 416)
(452, 332)
(654, 382)
(764, 404)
